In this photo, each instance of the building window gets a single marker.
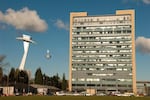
(90, 84)
(89, 74)
(81, 79)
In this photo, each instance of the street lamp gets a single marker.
(22, 83)
(43, 80)
(7, 84)
(48, 56)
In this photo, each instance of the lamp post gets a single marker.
(22, 83)
(43, 84)
(43, 80)
(28, 83)
(7, 84)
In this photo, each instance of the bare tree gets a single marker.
(3, 65)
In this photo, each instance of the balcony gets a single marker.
(102, 53)
(103, 49)
(82, 30)
(101, 35)
(82, 58)
(102, 62)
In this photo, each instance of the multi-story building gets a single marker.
(102, 52)
(143, 88)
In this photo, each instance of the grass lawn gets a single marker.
(72, 98)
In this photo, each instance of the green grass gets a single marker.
(72, 98)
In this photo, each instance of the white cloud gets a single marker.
(24, 19)
(146, 1)
(143, 44)
(60, 24)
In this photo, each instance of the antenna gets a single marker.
(26, 41)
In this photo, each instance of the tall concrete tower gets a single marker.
(26, 41)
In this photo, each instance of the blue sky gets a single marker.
(51, 31)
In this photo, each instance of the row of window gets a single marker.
(97, 80)
(101, 65)
(104, 28)
(103, 60)
(101, 56)
(102, 23)
(88, 41)
(102, 85)
(100, 38)
(99, 43)
(102, 18)
(102, 69)
(103, 50)
(112, 37)
(102, 32)
(100, 51)
(104, 47)
(110, 74)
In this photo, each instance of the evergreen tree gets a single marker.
(23, 77)
(4, 80)
(64, 83)
(55, 81)
(46, 80)
(16, 75)
(38, 76)
(12, 76)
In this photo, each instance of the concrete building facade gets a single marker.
(102, 52)
(143, 88)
